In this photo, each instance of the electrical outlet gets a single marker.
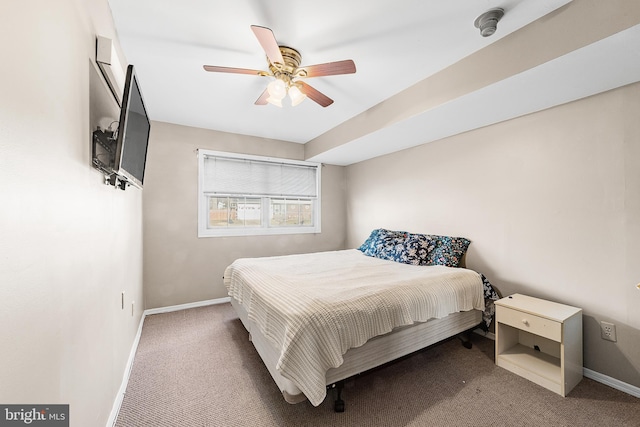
(608, 331)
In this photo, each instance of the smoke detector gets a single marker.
(488, 21)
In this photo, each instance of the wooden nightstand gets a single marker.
(540, 340)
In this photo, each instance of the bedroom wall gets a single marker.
(181, 268)
(550, 201)
(69, 245)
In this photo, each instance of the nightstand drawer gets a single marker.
(529, 322)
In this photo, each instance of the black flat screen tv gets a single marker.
(133, 133)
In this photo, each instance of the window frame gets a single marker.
(265, 228)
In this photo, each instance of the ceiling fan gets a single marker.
(284, 65)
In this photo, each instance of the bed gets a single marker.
(316, 319)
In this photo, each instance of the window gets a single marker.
(249, 195)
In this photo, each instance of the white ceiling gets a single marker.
(394, 45)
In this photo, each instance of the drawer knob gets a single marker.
(525, 321)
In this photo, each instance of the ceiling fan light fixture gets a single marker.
(296, 95)
(275, 101)
(277, 89)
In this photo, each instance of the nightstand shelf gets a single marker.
(540, 340)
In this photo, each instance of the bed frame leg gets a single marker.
(465, 337)
(338, 405)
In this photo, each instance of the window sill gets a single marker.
(257, 232)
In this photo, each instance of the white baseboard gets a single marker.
(596, 376)
(186, 306)
(125, 379)
(612, 382)
(127, 371)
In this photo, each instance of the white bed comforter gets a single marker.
(314, 307)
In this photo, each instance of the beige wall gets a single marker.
(69, 245)
(181, 268)
(551, 202)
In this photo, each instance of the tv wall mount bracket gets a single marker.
(103, 154)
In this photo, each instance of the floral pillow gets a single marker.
(398, 246)
(369, 245)
(448, 251)
(382, 240)
(417, 248)
(390, 245)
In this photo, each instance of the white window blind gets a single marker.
(232, 176)
(245, 195)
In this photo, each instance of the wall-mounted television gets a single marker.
(132, 138)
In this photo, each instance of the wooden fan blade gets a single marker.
(329, 69)
(269, 44)
(314, 94)
(262, 100)
(216, 69)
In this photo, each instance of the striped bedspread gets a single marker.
(315, 307)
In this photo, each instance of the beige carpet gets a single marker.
(197, 368)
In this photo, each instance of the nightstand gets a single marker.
(540, 340)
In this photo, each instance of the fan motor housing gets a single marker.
(292, 60)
